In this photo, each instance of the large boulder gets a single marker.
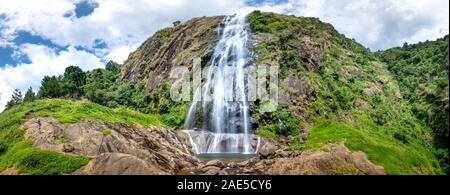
(339, 160)
(119, 164)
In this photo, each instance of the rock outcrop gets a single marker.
(339, 160)
(115, 148)
(177, 46)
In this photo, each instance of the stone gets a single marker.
(304, 136)
(243, 163)
(158, 147)
(211, 170)
(223, 172)
(119, 164)
(268, 148)
(232, 165)
(339, 160)
(282, 153)
(216, 163)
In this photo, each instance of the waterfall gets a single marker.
(224, 125)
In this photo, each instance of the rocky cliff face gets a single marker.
(169, 47)
(325, 80)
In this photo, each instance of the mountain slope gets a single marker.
(345, 93)
(341, 110)
(331, 88)
(422, 73)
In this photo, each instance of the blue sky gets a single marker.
(37, 39)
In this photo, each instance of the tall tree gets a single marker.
(51, 87)
(113, 66)
(29, 95)
(74, 79)
(16, 98)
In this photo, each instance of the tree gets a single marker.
(176, 23)
(74, 79)
(113, 66)
(51, 87)
(29, 95)
(16, 98)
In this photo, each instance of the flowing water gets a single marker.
(222, 124)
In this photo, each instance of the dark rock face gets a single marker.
(179, 46)
(310, 52)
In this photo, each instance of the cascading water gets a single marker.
(224, 125)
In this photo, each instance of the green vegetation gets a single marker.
(16, 99)
(395, 110)
(396, 157)
(354, 97)
(422, 73)
(29, 95)
(67, 111)
(17, 152)
(34, 161)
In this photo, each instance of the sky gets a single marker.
(43, 37)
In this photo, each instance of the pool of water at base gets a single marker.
(225, 157)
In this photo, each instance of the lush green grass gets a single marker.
(18, 152)
(67, 111)
(395, 156)
(34, 161)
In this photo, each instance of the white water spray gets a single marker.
(224, 125)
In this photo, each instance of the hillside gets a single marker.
(422, 73)
(342, 109)
(332, 89)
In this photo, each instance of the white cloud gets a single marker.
(45, 61)
(379, 24)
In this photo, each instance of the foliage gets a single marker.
(351, 87)
(17, 152)
(16, 98)
(422, 73)
(73, 81)
(34, 161)
(29, 95)
(396, 157)
(51, 87)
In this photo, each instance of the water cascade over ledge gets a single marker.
(221, 125)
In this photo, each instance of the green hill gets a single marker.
(331, 89)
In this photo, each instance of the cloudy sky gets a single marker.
(43, 37)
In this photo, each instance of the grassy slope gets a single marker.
(18, 152)
(386, 129)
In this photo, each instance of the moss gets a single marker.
(106, 132)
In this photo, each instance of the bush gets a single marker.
(400, 136)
